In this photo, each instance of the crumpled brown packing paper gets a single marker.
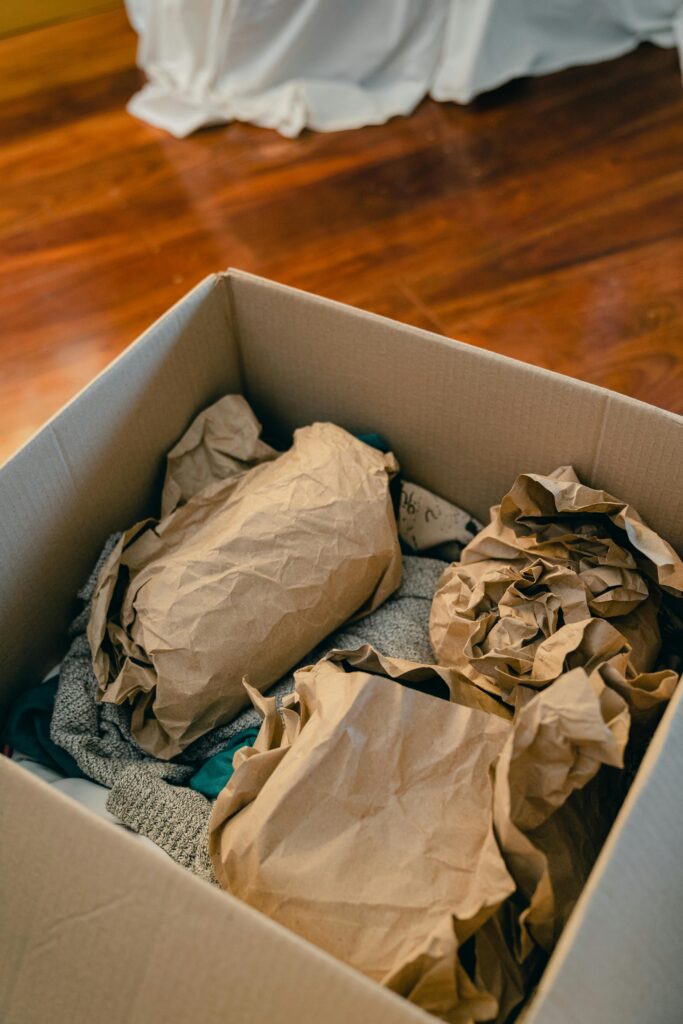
(564, 576)
(357, 766)
(558, 518)
(246, 577)
(362, 820)
(223, 440)
(435, 680)
(497, 970)
(548, 825)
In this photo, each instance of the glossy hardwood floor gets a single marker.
(545, 222)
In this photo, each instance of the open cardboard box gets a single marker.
(93, 926)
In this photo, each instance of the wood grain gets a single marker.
(22, 15)
(545, 222)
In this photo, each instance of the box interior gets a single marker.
(463, 422)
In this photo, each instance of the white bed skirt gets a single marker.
(336, 64)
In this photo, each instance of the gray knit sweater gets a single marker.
(151, 796)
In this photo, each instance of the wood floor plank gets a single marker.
(544, 221)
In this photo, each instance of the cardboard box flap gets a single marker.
(463, 422)
(95, 468)
(121, 935)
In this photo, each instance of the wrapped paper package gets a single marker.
(225, 439)
(246, 577)
(372, 820)
(564, 576)
(363, 822)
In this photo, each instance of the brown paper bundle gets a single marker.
(363, 821)
(357, 765)
(221, 441)
(558, 580)
(246, 577)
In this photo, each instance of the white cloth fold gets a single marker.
(325, 65)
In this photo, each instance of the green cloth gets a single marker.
(375, 441)
(28, 729)
(215, 773)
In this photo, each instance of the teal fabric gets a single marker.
(215, 773)
(28, 729)
(375, 441)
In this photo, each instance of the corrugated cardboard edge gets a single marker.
(198, 292)
(96, 465)
(604, 434)
(138, 940)
(540, 373)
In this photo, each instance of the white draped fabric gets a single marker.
(336, 64)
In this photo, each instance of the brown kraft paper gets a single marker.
(246, 577)
(221, 441)
(559, 741)
(564, 576)
(549, 825)
(357, 765)
(362, 820)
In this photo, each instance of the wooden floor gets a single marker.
(546, 222)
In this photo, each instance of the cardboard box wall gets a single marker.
(94, 927)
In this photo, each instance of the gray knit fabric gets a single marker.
(96, 735)
(176, 818)
(151, 796)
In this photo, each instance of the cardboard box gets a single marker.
(94, 927)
